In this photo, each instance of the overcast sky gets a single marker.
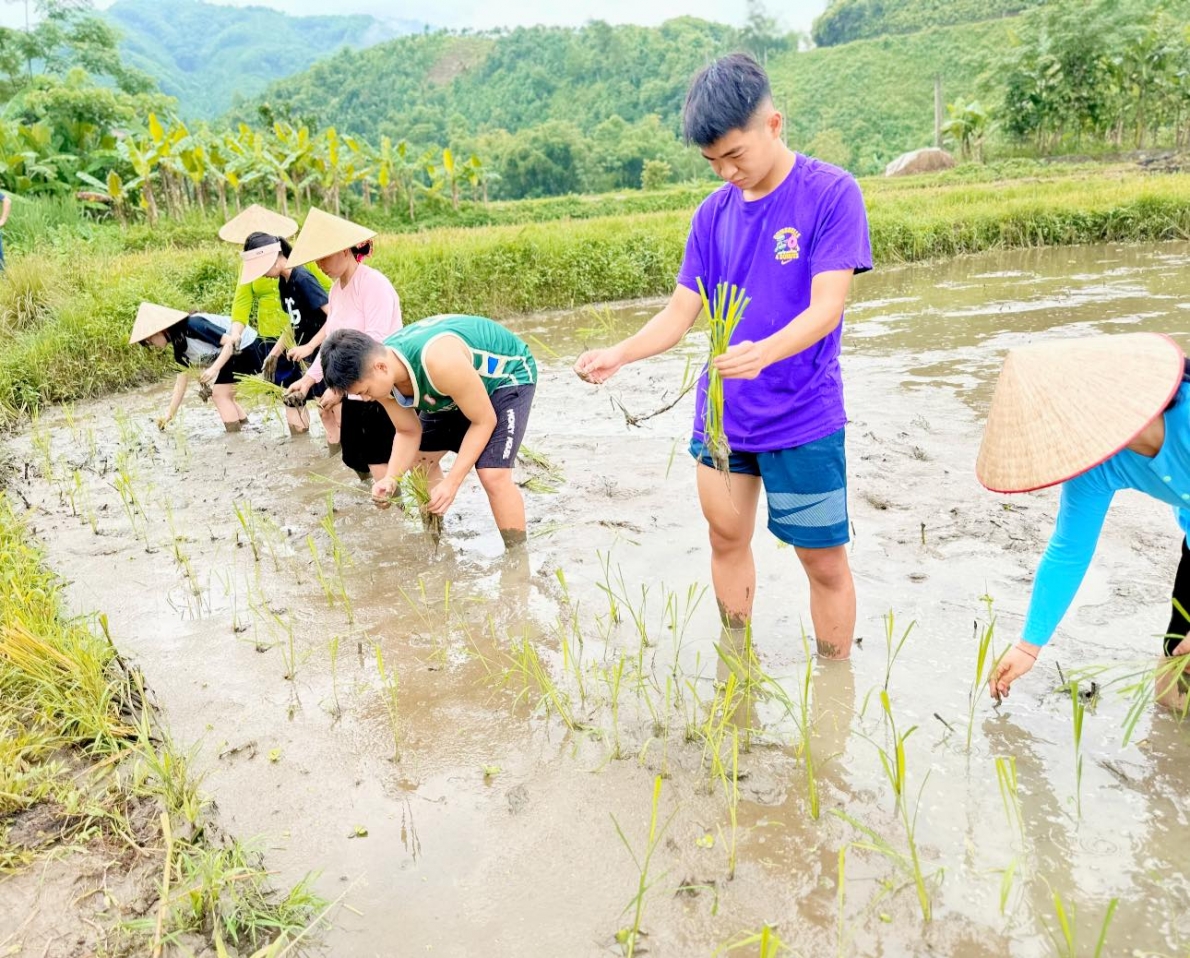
(794, 14)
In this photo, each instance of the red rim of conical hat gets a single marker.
(151, 318)
(1065, 406)
(323, 234)
(256, 219)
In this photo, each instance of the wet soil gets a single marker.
(392, 742)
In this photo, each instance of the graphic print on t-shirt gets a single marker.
(787, 250)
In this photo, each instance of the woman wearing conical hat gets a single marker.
(258, 302)
(361, 298)
(215, 342)
(1095, 415)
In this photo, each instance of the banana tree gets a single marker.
(115, 189)
(140, 153)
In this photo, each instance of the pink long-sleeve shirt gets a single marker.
(368, 303)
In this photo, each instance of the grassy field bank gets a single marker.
(85, 772)
(66, 306)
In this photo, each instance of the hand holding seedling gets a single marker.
(442, 496)
(1016, 662)
(599, 365)
(295, 395)
(330, 399)
(269, 369)
(299, 353)
(383, 491)
(208, 375)
(745, 360)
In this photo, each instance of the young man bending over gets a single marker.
(792, 231)
(462, 384)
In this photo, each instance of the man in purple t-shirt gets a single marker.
(791, 231)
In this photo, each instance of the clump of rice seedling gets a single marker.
(985, 656)
(1079, 709)
(416, 489)
(1065, 943)
(628, 938)
(723, 315)
(256, 392)
(391, 685)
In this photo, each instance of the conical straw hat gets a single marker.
(151, 318)
(257, 262)
(1063, 407)
(256, 219)
(323, 234)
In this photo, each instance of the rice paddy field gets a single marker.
(559, 751)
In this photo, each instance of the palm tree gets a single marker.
(967, 127)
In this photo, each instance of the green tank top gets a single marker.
(501, 358)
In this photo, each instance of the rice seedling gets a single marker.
(1064, 938)
(336, 709)
(327, 589)
(249, 526)
(125, 486)
(629, 937)
(895, 767)
(390, 685)
(769, 942)
(689, 381)
(43, 444)
(338, 555)
(82, 495)
(416, 489)
(605, 586)
(802, 714)
(986, 662)
(603, 324)
(180, 556)
(1079, 710)
(524, 664)
(547, 477)
(722, 316)
(893, 645)
(613, 678)
(840, 901)
(256, 392)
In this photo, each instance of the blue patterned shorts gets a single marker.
(806, 489)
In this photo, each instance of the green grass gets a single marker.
(64, 316)
(81, 740)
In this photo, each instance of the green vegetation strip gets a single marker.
(66, 308)
(82, 757)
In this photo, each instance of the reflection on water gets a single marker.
(513, 764)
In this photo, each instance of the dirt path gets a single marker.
(524, 858)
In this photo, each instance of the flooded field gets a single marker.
(533, 755)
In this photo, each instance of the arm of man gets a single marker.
(448, 362)
(406, 446)
(662, 332)
(241, 304)
(225, 353)
(828, 295)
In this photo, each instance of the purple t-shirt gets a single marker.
(814, 222)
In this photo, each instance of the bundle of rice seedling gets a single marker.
(722, 318)
(257, 392)
(416, 490)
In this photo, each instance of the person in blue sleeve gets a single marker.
(1096, 415)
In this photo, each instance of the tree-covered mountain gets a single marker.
(846, 20)
(204, 54)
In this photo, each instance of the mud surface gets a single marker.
(457, 814)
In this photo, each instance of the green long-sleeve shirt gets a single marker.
(264, 296)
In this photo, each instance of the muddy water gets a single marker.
(491, 827)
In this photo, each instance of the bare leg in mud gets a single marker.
(730, 511)
(230, 411)
(832, 599)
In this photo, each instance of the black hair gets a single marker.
(257, 240)
(362, 251)
(724, 97)
(175, 336)
(345, 355)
